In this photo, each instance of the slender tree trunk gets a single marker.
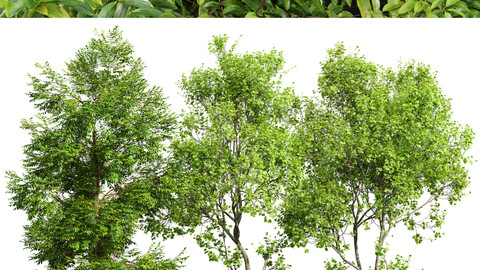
(98, 251)
(245, 256)
(355, 244)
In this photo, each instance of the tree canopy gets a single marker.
(233, 152)
(380, 149)
(95, 144)
(237, 8)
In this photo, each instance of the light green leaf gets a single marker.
(437, 3)
(451, 2)
(42, 9)
(407, 7)
(365, 8)
(212, 5)
(98, 2)
(15, 8)
(168, 15)
(251, 15)
(447, 15)
(376, 5)
(391, 6)
(55, 11)
(456, 11)
(345, 14)
(418, 7)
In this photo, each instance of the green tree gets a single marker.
(380, 149)
(233, 153)
(95, 145)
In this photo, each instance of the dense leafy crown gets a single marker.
(380, 148)
(97, 140)
(239, 8)
(234, 147)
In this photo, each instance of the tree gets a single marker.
(380, 149)
(97, 141)
(233, 153)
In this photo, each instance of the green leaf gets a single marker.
(200, 2)
(251, 15)
(418, 7)
(98, 2)
(163, 4)
(120, 11)
(460, 6)
(55, 11)
(15, 8)
(286, 4)
(168, 15)
(149, 12)
(451, 2)
(390, 7)
(107, 10)
(474, 4)
(233, 9)
(345, 14)
(32, 4)
(42, 9)
(437, 3)
(84, 8)
(458, 12)
(253, 4)
(212, 5)
(318, 5)
(407, 6)
(431, 14)
(447, 15)
(365, 8)
(138, 3)
(376, 5)
(3, 3)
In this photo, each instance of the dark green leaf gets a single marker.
(149, 12)
(107, 10)
(163, 4)
(137, 3)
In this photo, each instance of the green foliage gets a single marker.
(380, 149)
(133, 260)
(95, 146)
(233, 153)
(238, 8)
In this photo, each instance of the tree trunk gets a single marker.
(245, 256)
(355, 243)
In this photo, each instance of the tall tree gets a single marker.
(96, 143)
(233, 153)
(380, 149)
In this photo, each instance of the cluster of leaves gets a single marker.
(239, 8)
(380, 149)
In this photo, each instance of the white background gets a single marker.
(170, 48)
